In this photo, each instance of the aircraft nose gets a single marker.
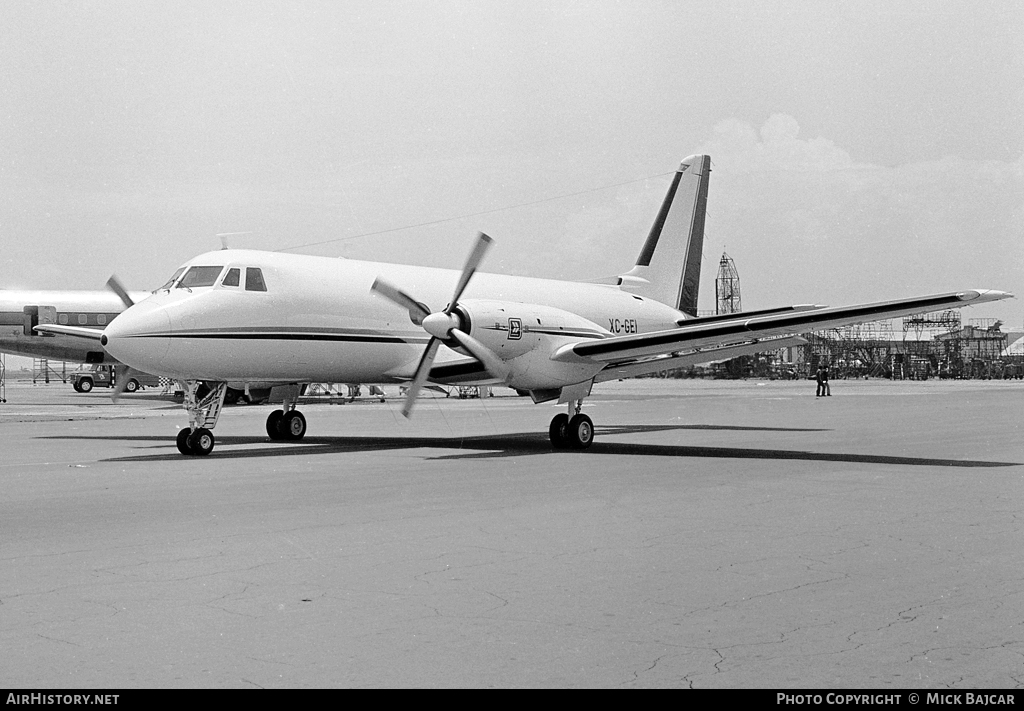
(139, 336)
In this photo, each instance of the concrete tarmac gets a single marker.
(717, 534)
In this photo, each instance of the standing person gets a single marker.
(825, 388)
(821, 383)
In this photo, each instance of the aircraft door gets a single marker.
(35, 315)
(31, 320)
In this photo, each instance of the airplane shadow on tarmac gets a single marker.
(518, 445)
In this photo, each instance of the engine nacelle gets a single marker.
(526, 335)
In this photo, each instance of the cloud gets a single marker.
(738, 147)
(803, 218)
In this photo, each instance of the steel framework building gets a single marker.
(727, 287)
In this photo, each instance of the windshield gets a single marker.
(200, 276)
(170, 282)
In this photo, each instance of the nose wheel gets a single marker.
(198, 442)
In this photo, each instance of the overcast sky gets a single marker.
(861, 150)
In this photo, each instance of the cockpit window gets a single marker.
(200, 276)
(254, 279)
(170, 282)
(231, 278)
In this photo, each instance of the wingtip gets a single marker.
(984, 295)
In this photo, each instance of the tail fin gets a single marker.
(668, 268)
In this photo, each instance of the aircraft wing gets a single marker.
(620, 351)
(79, 331)
(630, 368)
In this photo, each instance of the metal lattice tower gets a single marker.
(727, 287)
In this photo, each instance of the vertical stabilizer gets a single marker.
(668, 268)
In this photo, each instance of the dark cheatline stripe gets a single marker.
(557, 332)
(804, 320)
(288, 337)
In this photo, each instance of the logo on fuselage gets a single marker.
(515, 329)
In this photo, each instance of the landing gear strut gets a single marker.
(287, 423)
(575, 432)
(203, 403)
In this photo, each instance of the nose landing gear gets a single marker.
(203, 401)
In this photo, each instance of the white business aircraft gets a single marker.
(239, 315)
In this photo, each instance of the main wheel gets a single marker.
(182, 441)
(274, 424)
(293, 425)
(85, 386)
(581, 432)
(132, 385)
(200, 442)
(558, 430)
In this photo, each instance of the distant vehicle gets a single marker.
(100, 375)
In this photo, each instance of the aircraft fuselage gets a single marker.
(317, 320)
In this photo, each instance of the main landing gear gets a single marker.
(287, 423)
(576, 432)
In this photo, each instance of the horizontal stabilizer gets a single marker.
(718, 318)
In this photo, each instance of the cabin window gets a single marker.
(254, 279)
(231, 278)
(170, 282)
(101, 319)
(63, 319)
(82, 319)
(200, 276)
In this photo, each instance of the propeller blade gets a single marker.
(115, 286)
(122, 374)
(442, 325)
(495, 366)
(393, 293)
(422, 371)
(475, 257)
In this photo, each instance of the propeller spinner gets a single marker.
(444, 325)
